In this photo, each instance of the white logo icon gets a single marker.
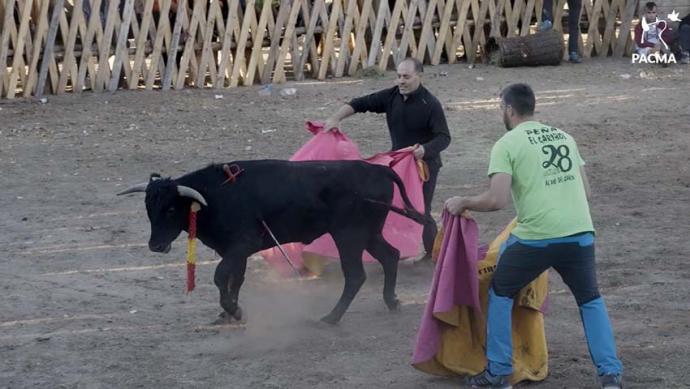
(673, 16)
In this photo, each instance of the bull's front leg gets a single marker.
(228, 278)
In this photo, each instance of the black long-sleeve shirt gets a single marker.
(417, 119)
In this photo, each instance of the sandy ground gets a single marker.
(86, 305)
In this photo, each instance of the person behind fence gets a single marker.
(574, 8)
(415, 117)
(651, 31)
(542, 168)
(683, 38)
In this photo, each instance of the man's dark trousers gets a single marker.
(430, 228)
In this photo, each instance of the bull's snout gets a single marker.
(159, 247)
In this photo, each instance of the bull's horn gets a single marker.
(135, 188)
(191, 193)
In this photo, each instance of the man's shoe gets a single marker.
(685, 57)
(574, 57)
(545, 25)
(611, 381)
(488, 380)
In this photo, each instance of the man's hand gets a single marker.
(331, 124)
(456, 205)
(419, 152)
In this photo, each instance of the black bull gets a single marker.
(299, 201)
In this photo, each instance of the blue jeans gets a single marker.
(574, 8)
(520, 262)
(684, 37)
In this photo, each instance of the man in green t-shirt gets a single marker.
(542, 168)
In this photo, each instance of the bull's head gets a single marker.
(167, 205)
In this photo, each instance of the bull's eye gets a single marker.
(170, 211)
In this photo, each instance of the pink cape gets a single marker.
(455, 282)
(401, 232)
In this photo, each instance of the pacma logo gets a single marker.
(654, 58)
(660, 26)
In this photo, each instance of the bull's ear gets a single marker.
(154, 176)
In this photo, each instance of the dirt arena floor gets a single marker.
(86, 305)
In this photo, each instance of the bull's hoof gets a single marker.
(330, 319)
(223, 319)
(393, 305)
(237, 314)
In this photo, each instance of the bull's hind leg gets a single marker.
(389, 256)
(350, 251)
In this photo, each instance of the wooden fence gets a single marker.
(55, 46)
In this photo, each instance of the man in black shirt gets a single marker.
(415, 118)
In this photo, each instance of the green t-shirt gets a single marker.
(547, 186)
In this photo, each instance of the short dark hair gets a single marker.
(418, 67)
(520, 97)
(650, 5)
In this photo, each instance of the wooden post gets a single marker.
(5, 41)
(121, 48)
(624, 30)
(174, 45)
(48, 48)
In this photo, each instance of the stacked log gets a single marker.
(544, 48)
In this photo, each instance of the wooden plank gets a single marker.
(225, 70)
(206, 60)
(390, 37)
(369, 22)
(238, 65)
(188, 55)
(444, 34)
(479, 39)
(344, 51)
(496, 15)
(257, 41)
(325, 18)
(158, 37)
(48, 48)
(87, 62)
(514, 19)
(171, 65)
(527, 18)
(69, 63)
(18, 58)
(624, 30)
(426, 38)
(13, 38)
(461, 26)
(375, 47)
(27, 47)
(283, 13)
(360, 44)
(593, 36)
(140, 44)
(121, 53)
(330, 37)
(309, 44)
(610, 28)
(83, 28)
(279, 74)
(8, 20)
(39, 38)
(408, 40)
(103, 74)
(207, 21)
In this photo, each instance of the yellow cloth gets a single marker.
(462, 349)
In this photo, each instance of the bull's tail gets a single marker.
(409, 210)
(409, 213)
